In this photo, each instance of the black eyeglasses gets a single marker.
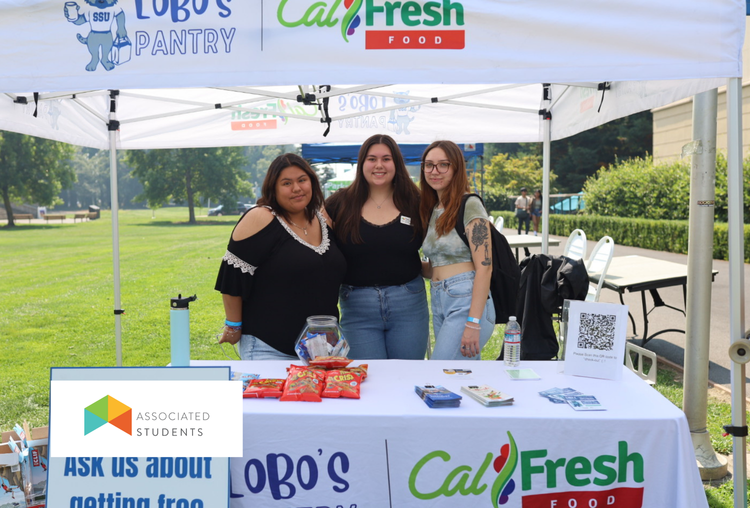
(442, 167)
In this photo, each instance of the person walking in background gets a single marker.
(523, 203)
(281, 265)
(383, 299)
(463, 315)
(536, 211)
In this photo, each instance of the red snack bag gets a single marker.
(342, 383)
(361, 370)
(259, 388)
(330, 362)
(303, 384)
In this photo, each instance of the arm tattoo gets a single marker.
(479, 237)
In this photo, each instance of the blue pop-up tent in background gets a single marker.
(325, 153)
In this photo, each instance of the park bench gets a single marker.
(54, 216)
(20, 216)
(82, 216)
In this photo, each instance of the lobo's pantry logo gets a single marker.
(107, 410)
(387, 25)
(540, 474)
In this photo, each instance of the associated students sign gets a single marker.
(158, 44)
(142, 437)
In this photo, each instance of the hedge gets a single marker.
(661, 235)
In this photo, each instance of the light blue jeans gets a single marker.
(252, 348)
(385, 322)
(451, 301)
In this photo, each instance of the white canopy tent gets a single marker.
(138, 75)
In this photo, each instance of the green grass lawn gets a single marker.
(56, 306)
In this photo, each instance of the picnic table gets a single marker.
(641, 274)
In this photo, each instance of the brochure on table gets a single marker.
(595, 339)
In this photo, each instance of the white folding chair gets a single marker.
(575, 248)
(492, 219)
(598, 263)
(499, 223)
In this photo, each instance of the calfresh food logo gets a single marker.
(460, 480)
(387, 25)
(108, 410)
(540, 474)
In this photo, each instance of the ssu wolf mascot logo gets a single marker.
(102, 16)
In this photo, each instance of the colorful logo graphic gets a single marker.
(108, 410)
(464, 479)
(413, 25)
(351, 20)
(101, 17)
(504, 465)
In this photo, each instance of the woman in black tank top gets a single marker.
(376, 222)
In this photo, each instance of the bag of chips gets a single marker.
(260, 388)
(361, 370)
(342, 383)
(330, 362)
(303, 384)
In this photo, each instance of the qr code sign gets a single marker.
(597, 331)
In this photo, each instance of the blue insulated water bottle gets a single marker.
(179, 326)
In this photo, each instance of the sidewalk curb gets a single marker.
(679, 368)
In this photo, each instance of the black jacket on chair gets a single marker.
(545, 282)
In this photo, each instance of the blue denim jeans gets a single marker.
(451, 301)
(385, 322)
(252, 348)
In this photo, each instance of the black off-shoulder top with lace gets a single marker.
(282, 280)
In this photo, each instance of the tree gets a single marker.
(505, 175)
(33, 170)
(92, 187)
(324, 172)
(580, 156)
(182, 175)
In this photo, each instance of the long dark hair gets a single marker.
(458, 186)
(278, 165)
(346, 204)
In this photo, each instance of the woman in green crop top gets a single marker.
(463, 315)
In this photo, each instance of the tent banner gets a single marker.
(205, 117)
(54, 45)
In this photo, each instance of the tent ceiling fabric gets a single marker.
(176, 118)
(216, 43)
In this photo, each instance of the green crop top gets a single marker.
(450, 249)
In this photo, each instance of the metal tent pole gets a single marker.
(113, 127)
(738, 428)
(546, 156)
(700, 264)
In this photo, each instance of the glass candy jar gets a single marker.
(321, 336)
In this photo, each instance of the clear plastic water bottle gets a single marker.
(512, 344)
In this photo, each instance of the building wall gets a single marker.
(673, 124)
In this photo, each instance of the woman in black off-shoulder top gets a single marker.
(281, 265)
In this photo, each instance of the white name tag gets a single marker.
(406, 220)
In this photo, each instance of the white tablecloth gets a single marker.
(389, 449)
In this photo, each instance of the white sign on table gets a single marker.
(595, 341)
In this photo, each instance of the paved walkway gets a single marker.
(671, 345)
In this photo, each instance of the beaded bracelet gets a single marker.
(232, 329)
(473, 327)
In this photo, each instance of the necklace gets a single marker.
(382, 202)
(303, 228)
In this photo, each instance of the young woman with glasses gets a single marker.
(376, 221)
(463, 315)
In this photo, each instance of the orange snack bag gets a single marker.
(303, 384)
(330, 362)
(260, 388)
(342, 383)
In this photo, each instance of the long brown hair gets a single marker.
(457, 187)
(278, 165)
(346, 204)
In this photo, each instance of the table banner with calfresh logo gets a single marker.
(389, 449)
(142, 437)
